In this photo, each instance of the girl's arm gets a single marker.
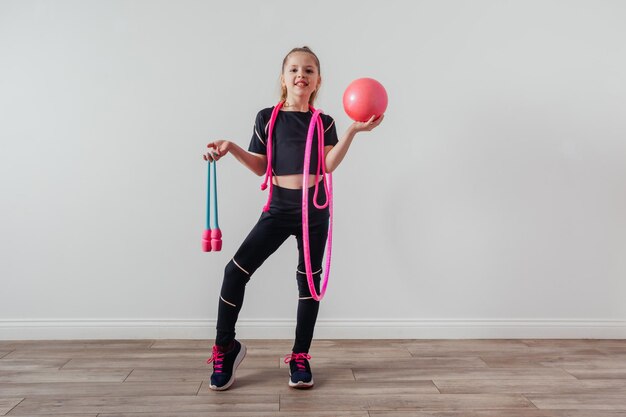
(335, 154)
(254, 162)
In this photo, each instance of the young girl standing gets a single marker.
(300, 82)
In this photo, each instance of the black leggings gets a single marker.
(274, 227)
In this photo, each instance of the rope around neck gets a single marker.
(327, 180)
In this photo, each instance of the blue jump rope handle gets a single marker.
(211, 193)
(215, 224)
(208, 197)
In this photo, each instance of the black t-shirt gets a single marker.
(289, 139)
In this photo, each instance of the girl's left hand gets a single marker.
(367, 126)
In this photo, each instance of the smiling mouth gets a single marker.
(302, 84)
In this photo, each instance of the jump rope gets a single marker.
(212, 238)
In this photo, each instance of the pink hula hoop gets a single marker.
(327, 179)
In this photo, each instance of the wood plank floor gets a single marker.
(354, 378)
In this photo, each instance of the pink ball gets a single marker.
(364, 98)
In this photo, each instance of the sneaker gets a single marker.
(225, 364)
(300, 375)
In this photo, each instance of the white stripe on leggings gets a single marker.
(235, 262)
(230, 304)
(304, 273)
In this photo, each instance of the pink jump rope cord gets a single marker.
(268, 172)
(327, 179)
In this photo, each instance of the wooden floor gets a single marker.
(356, 378)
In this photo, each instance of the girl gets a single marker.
(300, 81)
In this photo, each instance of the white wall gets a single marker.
(490, 202)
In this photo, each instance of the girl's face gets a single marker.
(300, 76)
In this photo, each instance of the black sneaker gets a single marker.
(224, 365)
(300, 375)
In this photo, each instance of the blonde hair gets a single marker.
(305, 49)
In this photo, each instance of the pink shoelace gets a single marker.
(217, 359)
(299, 359)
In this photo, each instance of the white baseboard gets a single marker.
(325, 329)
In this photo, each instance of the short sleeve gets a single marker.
(330, 132)
(259, 135)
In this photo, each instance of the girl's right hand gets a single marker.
(218, 149)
